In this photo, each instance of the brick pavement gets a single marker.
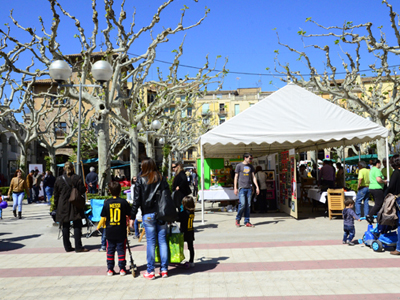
(281, 258)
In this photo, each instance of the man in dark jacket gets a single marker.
(91, 179)
(48, 184)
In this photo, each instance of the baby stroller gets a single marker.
(379, 237)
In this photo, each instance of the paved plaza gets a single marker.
(281, 258)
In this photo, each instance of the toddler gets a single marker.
(186, 217)
(348, 221)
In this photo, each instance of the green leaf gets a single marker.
(308, 19)
(267, 69)
(336, 42)
(274, 28)
(174, 51)
(276, 51)
(219, 56)
(301, 32)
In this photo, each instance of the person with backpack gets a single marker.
(67, 211)
(394, 189)
(145, 197)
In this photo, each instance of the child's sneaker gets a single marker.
(102, 249)
(110, 272)
(122, 272)
(344, 242)
(237, 223)
(164, 274)
(149, 275)
(350, 243)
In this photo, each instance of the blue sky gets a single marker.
(237, 29)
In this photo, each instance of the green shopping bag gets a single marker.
(175, 248)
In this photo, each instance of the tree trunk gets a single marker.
(381, 143)
(53, 162)
(169, 165)
(134, 152)
(103, 141)
(23, 159)
(150, 146)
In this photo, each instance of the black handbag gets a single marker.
(166, 209)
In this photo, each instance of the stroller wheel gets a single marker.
(377, 246)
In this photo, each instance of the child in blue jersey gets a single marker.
(348, 221)
(116, 211)
(186, 217)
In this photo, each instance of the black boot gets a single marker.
(19, 215)
(15, 213)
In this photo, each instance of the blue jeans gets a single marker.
(103, 239)
(17, 200)
(30, 198)
(92, 189)
(49, 193)
(349, 233)
(136, 224)
(36, 190)
(1, 213)
(362, 194)
(155, 231)
(244, 205)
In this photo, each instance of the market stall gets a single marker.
(293, 119)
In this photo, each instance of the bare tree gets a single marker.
(377, 96)
(120, 98)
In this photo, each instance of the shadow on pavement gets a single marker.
(9, 244)
(204, 266)
(267, 222)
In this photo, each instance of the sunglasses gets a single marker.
(173, 167)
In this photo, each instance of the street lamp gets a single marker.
(60, 71)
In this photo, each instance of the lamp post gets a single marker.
(60, 71)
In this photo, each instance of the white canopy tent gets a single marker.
(290, 118)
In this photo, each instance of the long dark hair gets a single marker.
(149, 169)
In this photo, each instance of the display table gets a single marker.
(316, 194)
(220, 194)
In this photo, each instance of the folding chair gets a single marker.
(93, 215)
(335, 202)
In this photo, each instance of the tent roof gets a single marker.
(292, 117)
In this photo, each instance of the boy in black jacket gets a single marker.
(115, 210)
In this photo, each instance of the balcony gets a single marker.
(222, 112)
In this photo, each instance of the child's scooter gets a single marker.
(379, 237)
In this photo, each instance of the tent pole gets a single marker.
(359, 152)
(387, 160)
(202, 182)
(344, 166)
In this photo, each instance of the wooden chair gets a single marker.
(335, 202)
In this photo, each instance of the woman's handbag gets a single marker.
(166, 209)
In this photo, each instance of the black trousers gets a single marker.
(119, 246)
(77, 225)
(191, 250)
(378, 197)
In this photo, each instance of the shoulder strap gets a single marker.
(66, 181)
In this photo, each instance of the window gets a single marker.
(206, 121)
(205, 108)
(221, 120)
(189, 111)
(60, 129)
(221, 108)
(171, 110)
(190, 154)
(166, 110)
(183, 98)
(151, 97)
(237, 109)
(183, 113)
(251, 104)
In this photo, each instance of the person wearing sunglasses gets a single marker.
(245, 178)
(180, 185)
